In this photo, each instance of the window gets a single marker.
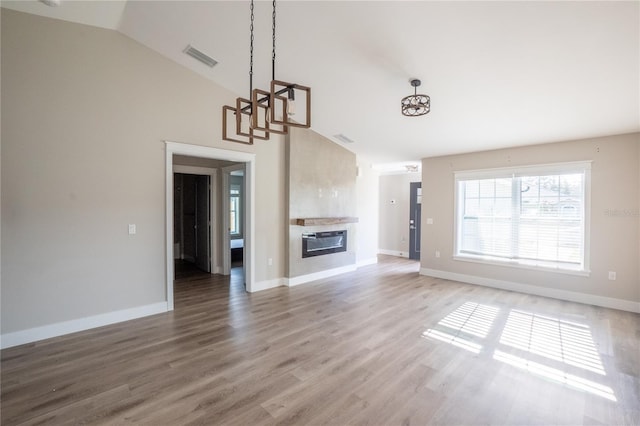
(529, 216)
(234, 213)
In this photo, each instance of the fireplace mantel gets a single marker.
(314, 221)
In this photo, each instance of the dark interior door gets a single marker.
(189, 217)
(203, 256)
(415, 210)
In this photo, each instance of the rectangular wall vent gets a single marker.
(200, 56)
(342, 138)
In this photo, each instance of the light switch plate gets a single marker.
(132, 228)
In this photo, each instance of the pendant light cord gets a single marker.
(251, 54)
(273, 36)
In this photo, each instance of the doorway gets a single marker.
(415, 213)
(233, 207)
(192, 222)
(236, 224)
(201, 152)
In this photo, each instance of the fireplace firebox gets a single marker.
(321, 243)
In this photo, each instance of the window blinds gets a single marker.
(530, 215)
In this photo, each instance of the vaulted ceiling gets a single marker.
(499, 74)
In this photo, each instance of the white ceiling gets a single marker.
(499, 74)
(105, 14)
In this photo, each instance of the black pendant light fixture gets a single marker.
(416, 105)
(265, 111)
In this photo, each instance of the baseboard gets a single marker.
(290, 282)
(394, 253)
(217, 270)
(267, 284)
(66, 327)
(367, 262)
(572, 296)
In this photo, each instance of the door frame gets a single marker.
(178, 148)
(213, 235)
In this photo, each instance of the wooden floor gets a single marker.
(380, 346)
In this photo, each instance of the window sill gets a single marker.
(533, 266)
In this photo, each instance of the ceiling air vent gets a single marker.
(202, 57)
(342, 138)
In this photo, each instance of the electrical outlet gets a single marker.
(270, 261)
(132, 228)
(429, 221)
(437, 253)
(612, 275)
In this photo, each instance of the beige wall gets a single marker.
(270, 199)
(84, 115)
(615, 186)
(321, 183)
(394, 217)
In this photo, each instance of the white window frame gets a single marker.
(511, 172)
(238, 203)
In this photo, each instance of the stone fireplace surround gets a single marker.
(321, 188)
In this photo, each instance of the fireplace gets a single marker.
(321, 243)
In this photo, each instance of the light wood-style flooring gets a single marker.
(379, 346)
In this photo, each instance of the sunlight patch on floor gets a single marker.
(566, 344)
(470, 319)
(556, 375)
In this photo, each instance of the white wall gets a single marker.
(85, 114)
(367, 192)
(615, 183)
(394, 213)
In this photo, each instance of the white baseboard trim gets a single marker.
(367, 262)
(290, 282)
(66, 327)
(394, 253)
(267, 284)
(572, 296)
